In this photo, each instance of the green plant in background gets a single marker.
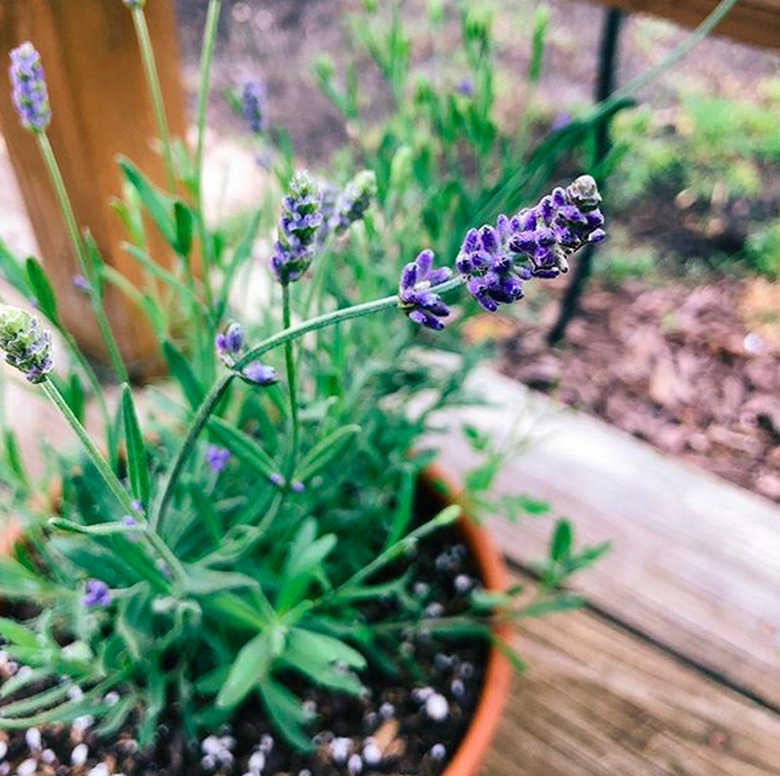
(711, 146)
(233, 542)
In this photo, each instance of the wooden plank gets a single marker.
(696, 560)
(101, 108)
(596, 701)
(750, 21)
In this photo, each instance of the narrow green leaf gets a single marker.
(326, 451)
(183, 374)
(183, 218)
(287, 712)
(17, 582)
(13, 271)
(326, 648)
(137, 464)
(560, 545)
(157, 205)
(16, 633)
(243, 446)
(42, 290)
(250, 667)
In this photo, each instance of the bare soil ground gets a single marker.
(693, 370)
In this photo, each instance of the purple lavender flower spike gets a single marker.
(96, 594)
(417, 299)
(535, 242)
(299, 224)
(26, 344)
(30, 95)
(259, 374)
(298, 487)
(354, 201)
(217, 458)
(253, 105)
(82, 284)
(466, 88)
(487, 265)
(276, 479)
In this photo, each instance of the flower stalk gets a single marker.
(80, 251)
(155, 92)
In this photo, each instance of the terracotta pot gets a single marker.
(436, 492)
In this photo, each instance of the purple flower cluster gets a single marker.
(536, 242)
(253, 105)
(217, 458)
(415, 291)
(299, 223)
(230, 346)
(352, 204)
(26, 344)
(30, 95)
(96, 594)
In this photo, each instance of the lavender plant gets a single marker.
(253, 537)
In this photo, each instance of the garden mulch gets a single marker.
(694, 371)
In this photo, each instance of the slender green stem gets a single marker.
(100, 463)
(188, 445)
(155, 93)
(289, 360)
(331, 318)
(204, 89)
(80, 250)
(110, 479)
(206, 61)
(218, 390)
(94, 383)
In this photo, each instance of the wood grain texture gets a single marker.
(750, 21)
(696, 560)
(597, 701)
(101, 108)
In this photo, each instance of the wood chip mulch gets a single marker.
(694, 371)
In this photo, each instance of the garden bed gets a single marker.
(694, 371)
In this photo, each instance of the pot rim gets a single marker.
(499, 672)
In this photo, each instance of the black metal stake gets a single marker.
(610, 37)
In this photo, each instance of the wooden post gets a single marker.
(100, 108)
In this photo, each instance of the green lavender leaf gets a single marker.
(137, 466)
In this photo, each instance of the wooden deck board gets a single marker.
(750, 21)
(696, 560)
(598, 701)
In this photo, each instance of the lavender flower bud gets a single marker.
(82, 284)
(416, 297)
(259, 374)
(134, 3)
(97, 594)
(354, 201)
(27, 346)
(299, 224)
(276, 479)
(230, 343)
(30, 95)
(253, 103)
(217, 458)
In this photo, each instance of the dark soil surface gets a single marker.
(408, 724)
(694, 371)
